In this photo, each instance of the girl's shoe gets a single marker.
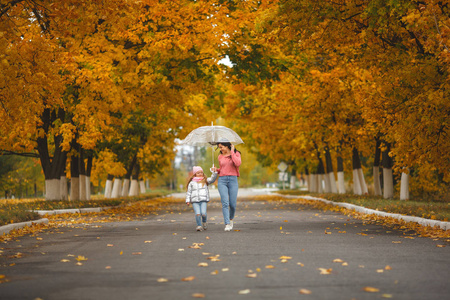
(228, 227)
(205, 226)
(231, 224)
(199, 228)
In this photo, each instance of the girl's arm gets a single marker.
(188, 194)
(212, 178)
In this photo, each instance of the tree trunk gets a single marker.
(82, 176)
(376, 169)
(330, 171)
(117, 188)
(293, 179)
(75, 179)
(388, 178)
(356, 164)
(134, 188)
(108, 186)
(404, 185)
(321, 176)
(307, 179)
(125, 187)
(88, 177)
(142, 187)
(340, 173)
(51, 166)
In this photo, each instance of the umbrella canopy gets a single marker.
(211, 135)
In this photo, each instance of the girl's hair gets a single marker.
(192, 177)
(228, 145)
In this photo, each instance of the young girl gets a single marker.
(198, 194)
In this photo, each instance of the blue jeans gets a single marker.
(228, 190)
(200, 212)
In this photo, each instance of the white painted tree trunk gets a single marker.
(388, 183)
(108, 189)
(292, 183)
(134, 188)
(63, 188)
(341, 182)
(74, 189)
(142, 187)
(362, 181)
(82, 179)
(320, 183)
(333, 182)
(88, 187)
(313, 182)
(326, 178)
(404, 187)
(52, 189)
(117, 188)
(356, 183)
(376, 181)
(125, 187)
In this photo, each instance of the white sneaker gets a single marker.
(205, 226)
(199, 228)
(231, 224)
(228, 227)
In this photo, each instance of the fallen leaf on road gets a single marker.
(81, 258)
(181, 249)
(388, 268)
(386, 296)
(110, 245)
(79, 264)
(380, 271)
(396, 242)
(162, 280)
(305, 291)
(338, 260)
(440, 246)
(225, 270)
(244, 292)
(65, 260)
(300, 264)
(198, 295)
(252, 275)
(270, 267)
(215, 272)
(108, 267)
(345, 264)
(370, 289)
(121, 252)
(137, 253)
(146, 242)
(324, 271)
(190, 278)
(202, 264)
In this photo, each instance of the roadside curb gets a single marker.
(5, 229)
(422, 221)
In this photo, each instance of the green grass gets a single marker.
(419, 208)
(22, 210)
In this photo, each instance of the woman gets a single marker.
(229, 162)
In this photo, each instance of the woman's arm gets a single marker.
(236, 158)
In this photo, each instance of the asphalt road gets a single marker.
(276, 251)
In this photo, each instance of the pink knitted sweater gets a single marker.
(229, 165)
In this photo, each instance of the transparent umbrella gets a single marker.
(210, 136)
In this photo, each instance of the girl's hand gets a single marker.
(213, 169)
(188, 203)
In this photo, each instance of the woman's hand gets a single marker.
(232, 148)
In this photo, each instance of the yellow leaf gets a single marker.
(324, 271)
(270, 267)
(162, 280)
(110, 245)
(252, 275)
(285, 257)
(370, 289)
(81, 258)
(189, 278)
(121, 252)
(202, 264)
(380, 271)
(137, 253)
(108, 267)
(386, 296)
(388, 267)
(147, 242)
(65, 260)
(198, 295)
(215, 272)
(338, 260)
(305, 291)
(244, 292)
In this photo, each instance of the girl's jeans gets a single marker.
(228, 190)
(200, 212)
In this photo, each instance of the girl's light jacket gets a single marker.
(198, 192)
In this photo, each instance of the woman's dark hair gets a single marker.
(228, 145)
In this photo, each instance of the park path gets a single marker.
(278, 250)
